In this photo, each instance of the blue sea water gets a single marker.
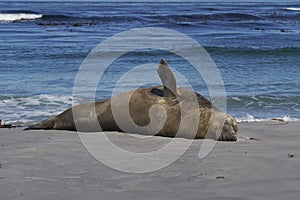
(256, 47)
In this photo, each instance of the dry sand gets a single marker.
(37, 165)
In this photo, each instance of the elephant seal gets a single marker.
(147, 106)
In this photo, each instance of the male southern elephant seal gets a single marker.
(155, 111)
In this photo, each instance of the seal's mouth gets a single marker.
(228, 137)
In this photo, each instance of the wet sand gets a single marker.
(45, 165)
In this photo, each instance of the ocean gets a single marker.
(255, 46)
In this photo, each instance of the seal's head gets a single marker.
(230, 128)
(224, 124)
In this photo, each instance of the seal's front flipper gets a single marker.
(168, 79)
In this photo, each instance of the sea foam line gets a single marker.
(251, 118)
(11, 17)
(32, 109)
(294, 9)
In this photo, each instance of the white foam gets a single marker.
(254, 98)
(11, 17)
(23, 110)
(289, 119)
(28, 110)
(236, 98)
(251, 118)
(294, 9)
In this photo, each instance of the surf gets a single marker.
(12, 17)
(293, 9)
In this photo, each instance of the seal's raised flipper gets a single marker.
(168, 79)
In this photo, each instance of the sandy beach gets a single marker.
(241, 55)
(55, 165)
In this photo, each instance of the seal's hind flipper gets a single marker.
(168, 79)
(47, 124)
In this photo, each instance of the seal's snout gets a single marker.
(230, 129)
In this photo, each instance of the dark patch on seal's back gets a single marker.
(158, 92)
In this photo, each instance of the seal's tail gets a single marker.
(47, 124)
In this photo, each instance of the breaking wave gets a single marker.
(293, 9)
(251, 118)
(23, 111)
(197, 17)
(22, 15)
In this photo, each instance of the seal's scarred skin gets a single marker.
(99, 116)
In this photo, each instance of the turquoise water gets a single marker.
(256, 47)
